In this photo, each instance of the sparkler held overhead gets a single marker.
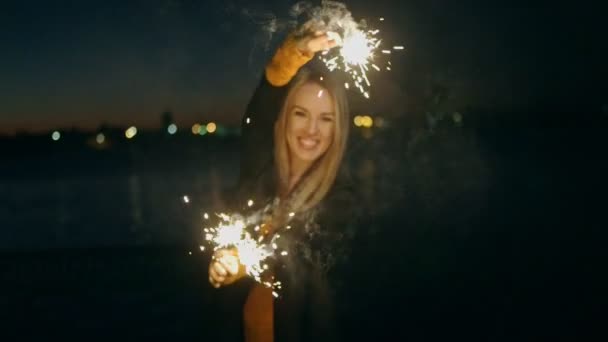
(357, 43)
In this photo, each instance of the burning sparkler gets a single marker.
(253, 253)
(357, 45)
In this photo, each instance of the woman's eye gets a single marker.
(327, 119)
(300, 113)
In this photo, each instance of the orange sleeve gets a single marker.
(285, 63)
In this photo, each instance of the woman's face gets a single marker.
(310, 123)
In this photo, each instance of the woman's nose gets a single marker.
(313, 126)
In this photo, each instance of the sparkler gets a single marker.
(253, 254)
(357, 44)
(355, 56)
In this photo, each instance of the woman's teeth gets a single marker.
(308, 143)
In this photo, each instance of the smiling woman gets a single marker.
(310, 138)
(294, 139)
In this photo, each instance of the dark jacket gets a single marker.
(311, 302)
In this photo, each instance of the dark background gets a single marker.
(481, 184)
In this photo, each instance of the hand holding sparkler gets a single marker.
(225, 268)
(318, 41)
(359, 45)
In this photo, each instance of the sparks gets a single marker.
(248, 237)
(356, 52)
(357, 48)
(231, 233)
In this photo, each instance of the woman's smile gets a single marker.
(308, 143)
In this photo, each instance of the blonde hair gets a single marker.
(319, 178)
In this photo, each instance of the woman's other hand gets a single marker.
(225, 268)
(315, 42)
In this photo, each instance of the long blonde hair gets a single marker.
(319, 178)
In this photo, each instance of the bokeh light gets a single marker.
(367, 121)
(457, 118)
(100, 138)
(196, 128)
(211, 127)
(358, 120)
(172, 129)
(131, 132)
(56, 136)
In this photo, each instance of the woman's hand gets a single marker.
(225, 268)
(315, 42)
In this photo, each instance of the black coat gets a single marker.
(312, 300)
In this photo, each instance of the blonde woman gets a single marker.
(294, 140)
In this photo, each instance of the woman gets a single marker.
(304, 122)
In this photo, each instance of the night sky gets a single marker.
(81, 63)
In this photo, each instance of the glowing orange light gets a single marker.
(196, 128)
(358, 121)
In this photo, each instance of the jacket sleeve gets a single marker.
(285, 63)
(258, 122)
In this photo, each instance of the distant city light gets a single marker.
(248, 120)
(56, 136)
(211, 127)
(457, 117)
(131, 132)
(186, 199)
(196, 128)
(358, 121)
(202, 130)
(172, 129)
(363, 121)
(100, 138)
